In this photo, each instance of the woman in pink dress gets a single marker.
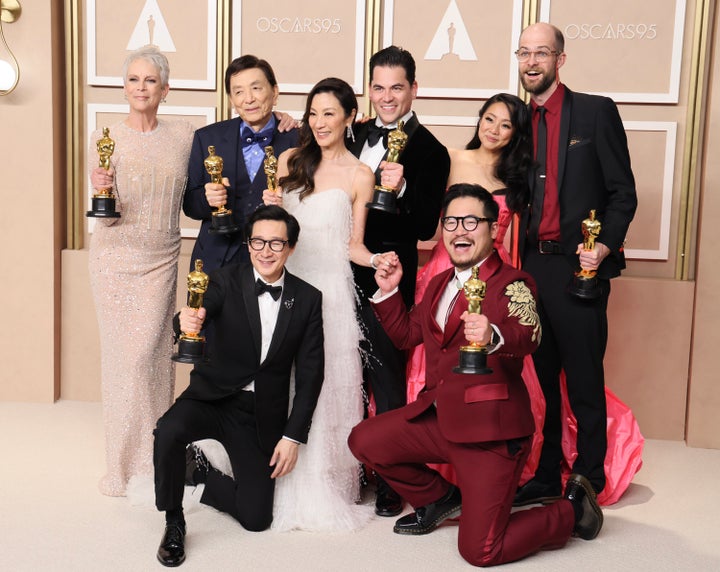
(498, 158)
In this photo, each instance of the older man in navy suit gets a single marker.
(267, 322)
(251, 85)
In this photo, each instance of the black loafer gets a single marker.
(172, 546)
(537, 492)
(427, 518)
(589, 517)
(387, 501)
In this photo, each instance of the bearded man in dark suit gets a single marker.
(585, 166)
(420, 177)
(266, 322)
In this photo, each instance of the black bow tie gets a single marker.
(261, 287)
(375, 133)
(249, 137)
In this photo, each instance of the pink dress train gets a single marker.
(625, 442)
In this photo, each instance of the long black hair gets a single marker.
(516, 157)
(304, 162)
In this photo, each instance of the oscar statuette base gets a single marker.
(223, 223)
(473, 360)
(190, 350)
(384, 200)
(585, 287)
(103, 207)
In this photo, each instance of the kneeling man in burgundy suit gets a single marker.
(481, 424)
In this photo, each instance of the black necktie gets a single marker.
(261, 287)
(540, 172)
(375, 133)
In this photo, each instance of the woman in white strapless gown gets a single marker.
(326, 188)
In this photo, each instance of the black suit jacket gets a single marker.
(234, 352)
(426, 166)
(593, 173)
(244, 196)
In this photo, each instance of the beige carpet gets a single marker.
(53, 518)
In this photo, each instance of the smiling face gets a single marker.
(268, 263)
(391, 93)
(467, 248)
(143, 86)
(495, 128)
(253, 97)
(540, 78)
(327, 120)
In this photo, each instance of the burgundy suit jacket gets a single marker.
(472, 408)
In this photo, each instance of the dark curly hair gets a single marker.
(304, 162)
(516, 156)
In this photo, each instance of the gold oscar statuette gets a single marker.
(473, 357)
(222, 221)
(191, 345)
(270, 166)
(385, 199)
(585, 283)
(103, 201)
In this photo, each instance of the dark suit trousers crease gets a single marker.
(248, 497)
(488, 475)
(386, 371)
(574, 338)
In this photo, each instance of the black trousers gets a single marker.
(385, 373)
(249, 496)
(574, 338)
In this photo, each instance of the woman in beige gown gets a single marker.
(133, 267)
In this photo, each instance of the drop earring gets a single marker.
(350, 133)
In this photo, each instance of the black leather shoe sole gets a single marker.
(591, 521)
(414, 528)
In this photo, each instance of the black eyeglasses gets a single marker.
(469, 222)
(540, 55)
(276, 245)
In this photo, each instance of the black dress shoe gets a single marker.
(427, 518)
(172, 546)
(387, 501)
(537, 492)
(588, 516)
(196, 466)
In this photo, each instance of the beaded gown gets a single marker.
(321, 492)
(133, 273)
(625, 442)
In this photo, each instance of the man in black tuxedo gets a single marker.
(420, 178)
(250, 83)
(266, 321)
(585, 166)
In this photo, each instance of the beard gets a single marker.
(541, 87)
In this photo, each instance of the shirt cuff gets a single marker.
(378, 297)
(290, 439)
(401, 192)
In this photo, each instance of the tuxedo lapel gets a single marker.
(252, 308)
(361, 132)
(564, 136)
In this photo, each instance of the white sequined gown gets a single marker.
(133, 274)
(320, 494)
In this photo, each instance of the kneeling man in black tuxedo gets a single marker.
(266, 320)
